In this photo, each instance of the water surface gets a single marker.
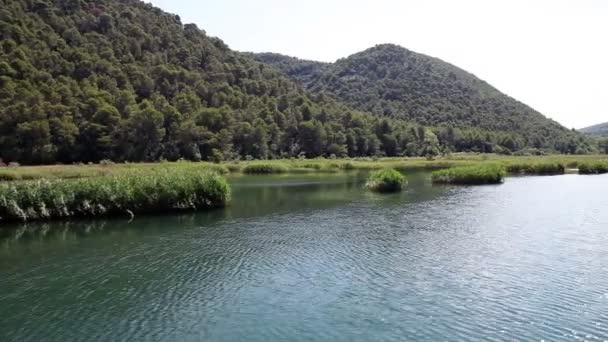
(317, 258)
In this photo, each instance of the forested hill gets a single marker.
(90, 80)
(123, 80)
(394, 82)
(599, 130)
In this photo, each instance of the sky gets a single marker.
(549, 54)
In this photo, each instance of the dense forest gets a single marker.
(393, 82)
(122, 80)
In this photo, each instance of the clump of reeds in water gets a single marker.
(265, 168)
(386, 180)
(473, 175)
(546, 168)
(126, 194)
(593, 168)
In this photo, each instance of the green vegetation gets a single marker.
(481, 174)
(265, 168)
(531, 165)
(386, 180)
(547, 168)
(597, 130)
(126, 194)
(465, 113)
(84, 81)
(593, 168)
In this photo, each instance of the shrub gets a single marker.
(261, 168)
(593, 168)
(129, 193)
(386, 180)
(481, 174)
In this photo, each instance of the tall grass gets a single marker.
(593, 168)
(265, 168)
(387, 180)
(538, 168)
(550, 164)
(126, 194)
(478, 174)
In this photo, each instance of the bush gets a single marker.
(263, 168)
(127, 194)
(482, 174)
(386, 180)
(593, 168)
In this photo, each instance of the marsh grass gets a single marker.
(265, 168)
(473, 175)
(593, 168)
(126, 194)
(386, 180)
(539, 168)
(515, 164)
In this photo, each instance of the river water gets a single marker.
(318, 258)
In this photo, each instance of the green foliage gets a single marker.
(478, 174)
(547, 168)
(603, 145)
(126, 194)
(85, 81)
(597, 130)
(386, 180)
(470, 115)
(264, 168)
(123, 80)
(593, 168)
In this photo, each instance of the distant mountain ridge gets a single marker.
(598, 130)
(394, 82)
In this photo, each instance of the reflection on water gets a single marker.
(318, 258)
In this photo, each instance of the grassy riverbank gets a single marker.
(126, 194)
(553, 164)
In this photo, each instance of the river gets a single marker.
(318, 258)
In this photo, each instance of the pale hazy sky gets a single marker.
(550, 54)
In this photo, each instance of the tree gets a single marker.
(603, 145)
(312, 138)
(147, 132)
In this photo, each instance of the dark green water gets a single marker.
(317, 258)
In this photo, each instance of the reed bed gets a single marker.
(386, 180)
(544, 168)
(593, 168)
(121, 195)
(541, 165)
(265, 168)
(470, 175)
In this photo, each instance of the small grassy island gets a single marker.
(470, 175)
(593, 168)
(539, 168)
(121, 195)
(386, 180)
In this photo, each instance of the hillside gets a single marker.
(394, 82)
(84, 81)
(597, 130)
